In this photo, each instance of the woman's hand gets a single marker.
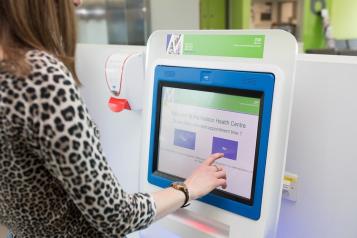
(203, 180)
(206, 178)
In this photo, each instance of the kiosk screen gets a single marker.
(196, 121)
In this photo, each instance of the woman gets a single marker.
(54, 178)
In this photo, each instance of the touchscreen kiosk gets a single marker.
(219, 91)
(198, 112)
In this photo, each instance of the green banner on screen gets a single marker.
(217, 101)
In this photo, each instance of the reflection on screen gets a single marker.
(195, 124)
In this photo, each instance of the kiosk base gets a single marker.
(187, 224)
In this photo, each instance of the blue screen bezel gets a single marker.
(252, 81)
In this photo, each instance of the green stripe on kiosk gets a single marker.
(245, 46)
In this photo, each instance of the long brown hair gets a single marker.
(47, 25)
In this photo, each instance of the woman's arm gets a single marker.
(3, 231)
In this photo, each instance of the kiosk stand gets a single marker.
(219, 91)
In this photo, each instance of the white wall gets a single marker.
(323, 150)
(92, 31)
(175, 14)
(120, 132)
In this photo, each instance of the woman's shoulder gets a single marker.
(48, 74)
(42, 62)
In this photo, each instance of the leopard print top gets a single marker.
(54, 178)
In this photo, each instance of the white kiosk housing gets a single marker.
(219, 91)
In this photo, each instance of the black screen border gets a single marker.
(213, 89)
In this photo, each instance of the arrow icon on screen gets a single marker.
(183, 138)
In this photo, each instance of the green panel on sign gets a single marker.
(213, 14)
(313, 32)
(245, 46)
(344, 19)
(313, 35)
(240, 14)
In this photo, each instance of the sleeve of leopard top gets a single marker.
(70, 144)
